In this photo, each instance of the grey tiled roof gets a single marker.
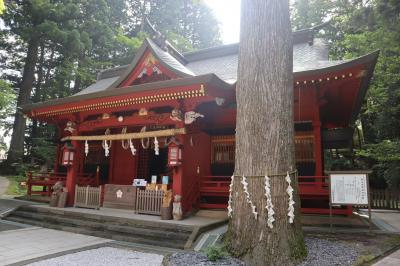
(100, 85)
(221, 61)
(305, 57)
(168, 59)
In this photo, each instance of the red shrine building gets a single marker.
(172, 116)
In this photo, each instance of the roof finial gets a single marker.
(157, 36)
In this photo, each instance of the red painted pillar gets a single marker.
(318, 148)
(177, 183)
(72, 173)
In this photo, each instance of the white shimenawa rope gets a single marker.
(289, 190)
(86, 148)
(105, 145)
(132, 147)
(270, 206)
(245, 189)
(230, 197)
(156, 146)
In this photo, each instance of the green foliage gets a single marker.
(215, 253)
(298, 249)
(385, 151)
(7, 97)
(15, 188)
(2, 7)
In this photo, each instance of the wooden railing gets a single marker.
(385, 199)
(47, 180)
(215, 185)
(149, 201)
(313, 185)
(88, 197)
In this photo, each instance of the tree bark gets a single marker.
(265, 137)
(16, 150)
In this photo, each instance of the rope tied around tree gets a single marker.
(267, 192)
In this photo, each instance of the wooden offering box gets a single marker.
(163, 187)
(120, 197)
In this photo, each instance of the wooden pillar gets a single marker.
(72, 172)
(318, 148)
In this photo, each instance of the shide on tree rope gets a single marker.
(267, 186)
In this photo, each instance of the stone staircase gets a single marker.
(153, 233)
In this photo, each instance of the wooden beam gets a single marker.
(139, 135)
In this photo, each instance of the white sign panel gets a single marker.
(349, 189)
(139, 182)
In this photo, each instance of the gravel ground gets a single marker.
(323, 252)
(104, 256)
(198, 259)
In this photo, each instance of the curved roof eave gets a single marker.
(203, 79)
(370, 58)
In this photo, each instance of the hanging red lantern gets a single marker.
(174, 154)
(68, 155)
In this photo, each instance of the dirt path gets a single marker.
(3, 185)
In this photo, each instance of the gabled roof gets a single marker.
(218, 66)
(308, 53)
(112, 78)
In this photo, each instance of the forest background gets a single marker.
(65, 43)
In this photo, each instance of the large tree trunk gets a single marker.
(265, 137)
(17, 139)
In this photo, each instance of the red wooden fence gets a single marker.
(47, 180)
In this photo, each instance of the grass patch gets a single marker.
(215, 253)
(364, 260)
(14, 187)
(393, 241)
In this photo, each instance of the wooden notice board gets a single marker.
(349, 188)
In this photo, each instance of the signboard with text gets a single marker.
(349, 188)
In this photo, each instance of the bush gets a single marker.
(215, 253)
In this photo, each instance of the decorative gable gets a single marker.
(148, 69)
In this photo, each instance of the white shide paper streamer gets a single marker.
(289, 190)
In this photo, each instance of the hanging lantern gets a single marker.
(174, 154)
(68, 155)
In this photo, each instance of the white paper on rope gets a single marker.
(230, 197)
(270, 206)
(245, 189)
(289, 190)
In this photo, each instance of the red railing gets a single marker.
(216, 188)
(313, 185)
(47, 180)
(215, 185)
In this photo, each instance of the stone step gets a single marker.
(162, 242)
(151, 233)
(166, 227)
